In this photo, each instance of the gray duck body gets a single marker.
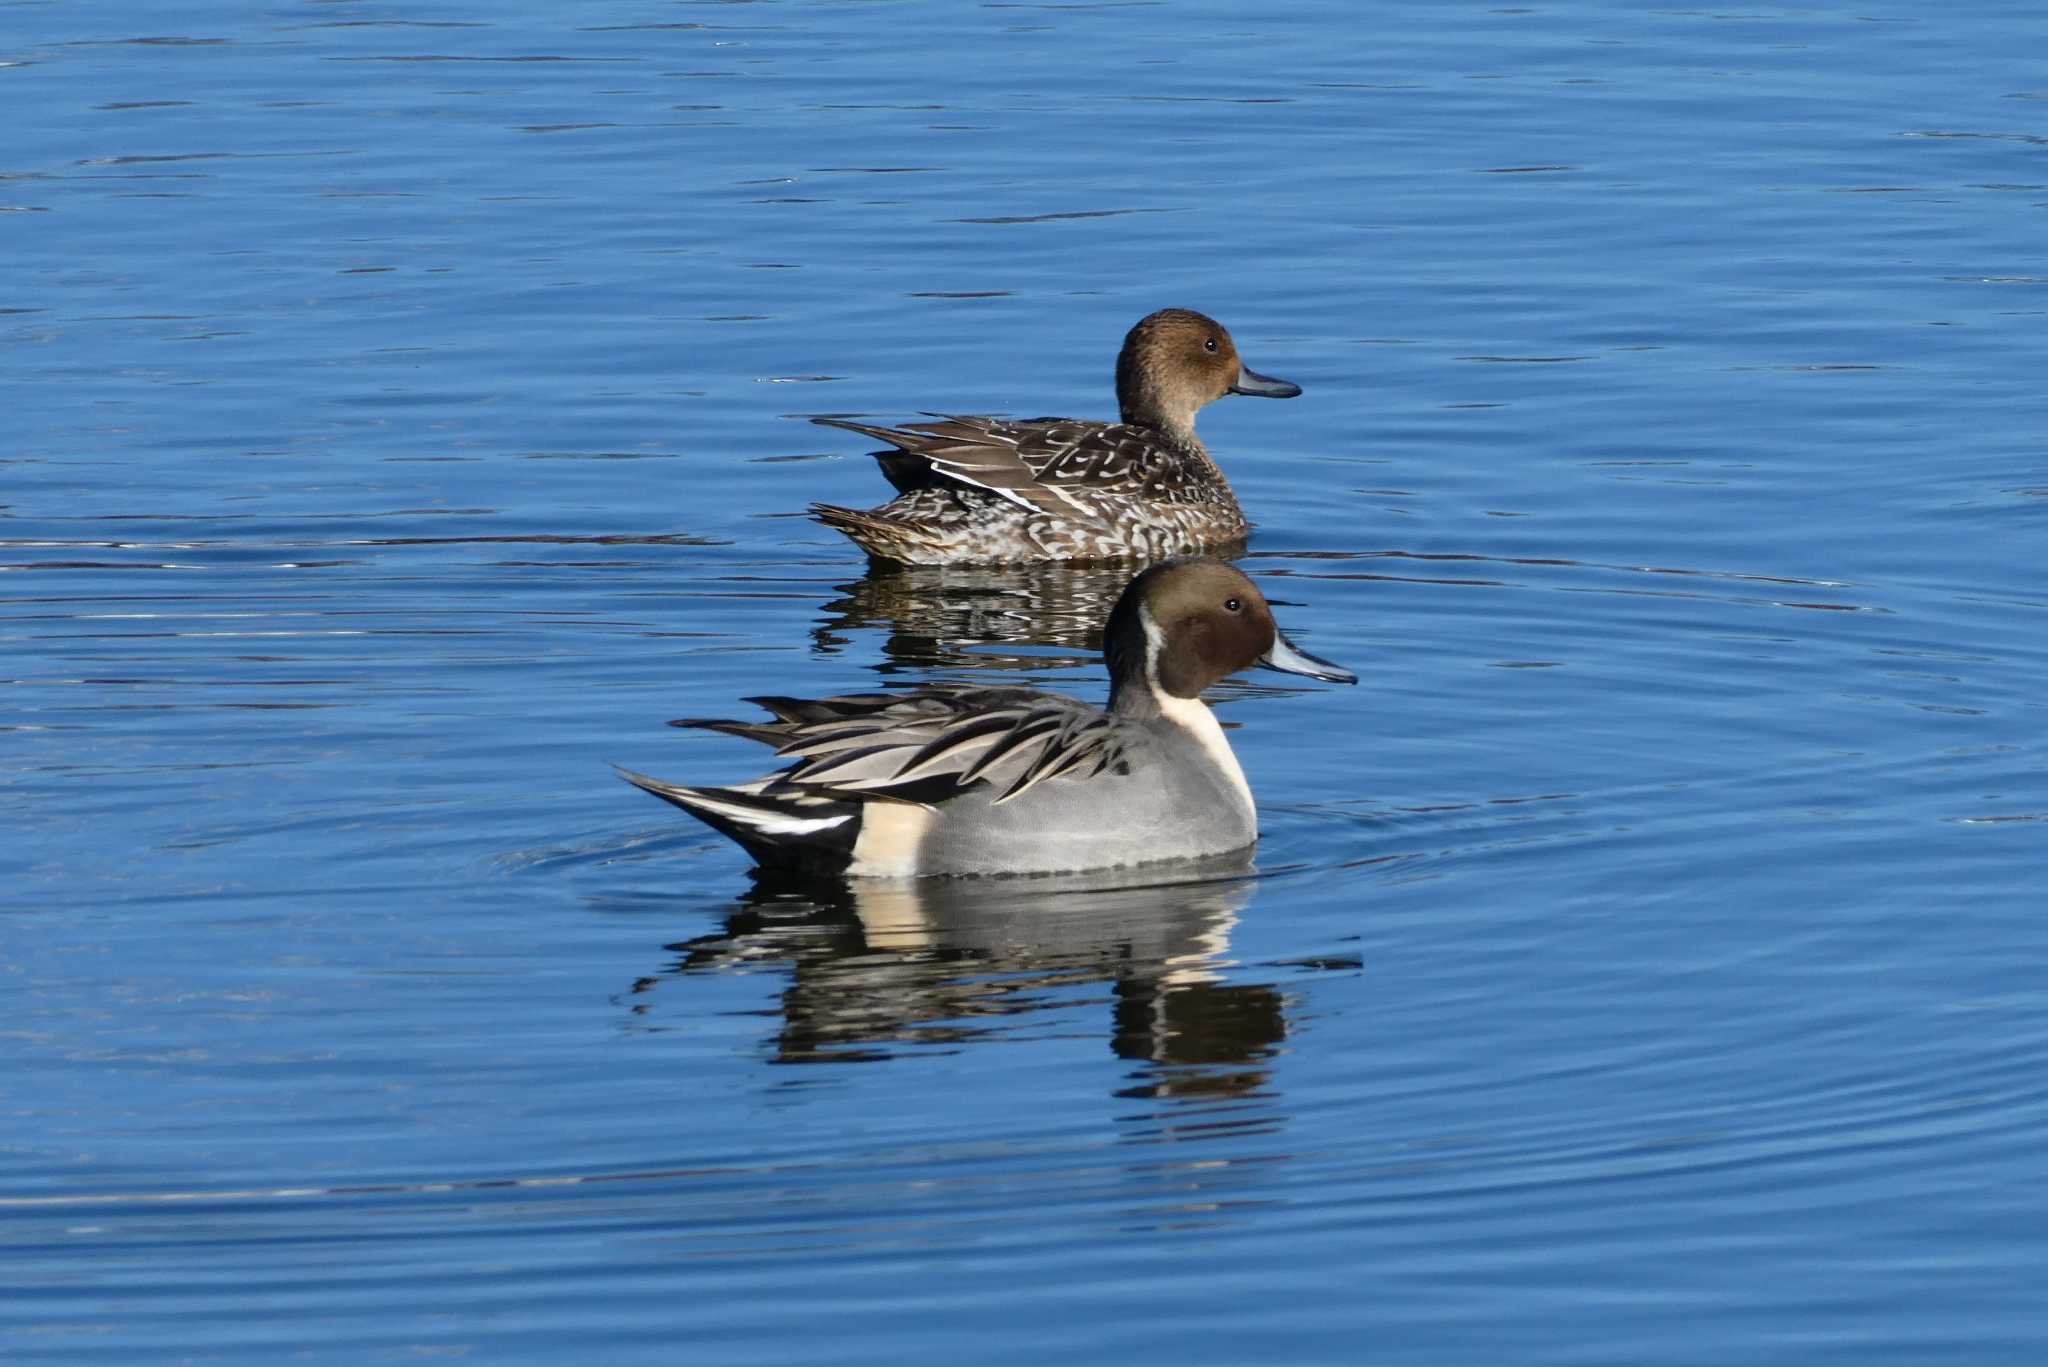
(1163, 799)
(953, 779)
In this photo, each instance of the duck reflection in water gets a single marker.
(950, 617)
(878, 970)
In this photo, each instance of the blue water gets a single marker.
(404, 420)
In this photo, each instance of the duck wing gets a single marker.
(1047, 465)
(932, 743)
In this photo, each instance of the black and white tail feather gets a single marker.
(918, 747)
(786, 829)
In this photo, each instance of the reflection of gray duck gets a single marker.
(947, 961)
(991, 491)
(957, 779)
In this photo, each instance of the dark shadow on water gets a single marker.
(880, 970)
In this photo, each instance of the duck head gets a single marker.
(1182, 625)
(1174, 362)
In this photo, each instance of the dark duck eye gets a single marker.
(1209, 345)
(1231, 605)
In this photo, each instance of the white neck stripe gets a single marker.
(1155, 646)
(1192, 714)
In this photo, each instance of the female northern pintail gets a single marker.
(956, 779)
(992, 491)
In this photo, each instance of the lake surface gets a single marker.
(405, 419)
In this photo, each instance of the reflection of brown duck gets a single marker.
(948, 617)
(877, 968)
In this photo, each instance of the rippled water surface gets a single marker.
(1643, 965)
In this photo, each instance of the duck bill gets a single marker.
(1259, 386)
(1289, 658)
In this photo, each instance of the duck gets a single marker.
(995, 491)
(954, 779)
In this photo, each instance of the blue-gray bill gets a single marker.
(1259, 386)
(1289, 658)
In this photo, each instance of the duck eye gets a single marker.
(1209, 345)
(1231, 605)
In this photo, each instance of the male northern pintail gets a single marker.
(994, 491)
(957, 779)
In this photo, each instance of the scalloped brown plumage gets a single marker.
(976, 490)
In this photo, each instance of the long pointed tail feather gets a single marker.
(783, 830)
